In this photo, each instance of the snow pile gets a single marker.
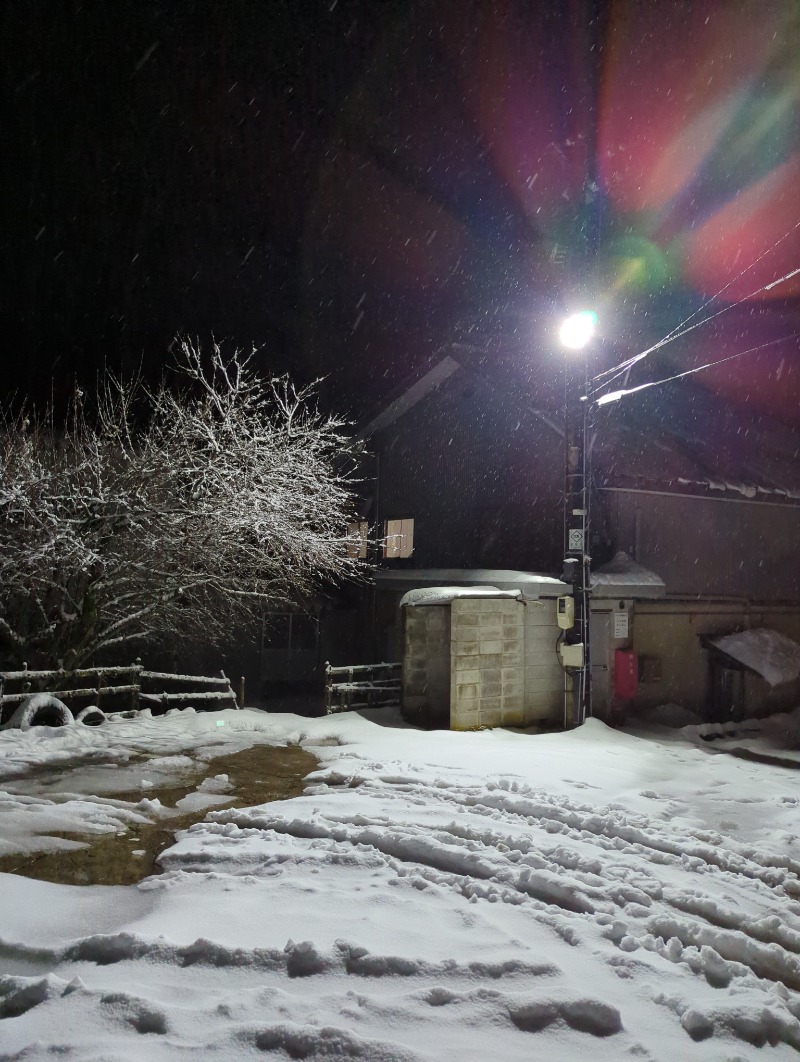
(674, 716)
(623, 577)
(780, 731)
(769, 653)
(432, 896)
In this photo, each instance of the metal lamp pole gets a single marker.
(576, 333)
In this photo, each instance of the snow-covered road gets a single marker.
(431, 896)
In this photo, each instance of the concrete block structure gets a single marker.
(475, 658)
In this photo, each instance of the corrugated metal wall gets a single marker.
(708, 546)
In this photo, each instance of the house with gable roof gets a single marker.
(694, 532)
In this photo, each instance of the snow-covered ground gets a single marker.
(437, 896)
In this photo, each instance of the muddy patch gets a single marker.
(254, 776)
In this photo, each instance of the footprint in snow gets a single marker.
(583, 1015)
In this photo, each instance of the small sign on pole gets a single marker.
(575, 539)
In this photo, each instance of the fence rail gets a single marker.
(12, 698)
(86, 672)
(126, 694)
(198, 680)
(171, 698)
(365, 686)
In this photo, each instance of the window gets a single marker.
(398, 539)
(358, 538)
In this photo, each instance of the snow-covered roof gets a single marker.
(769, 653)
(623, 577)
(687, 441)
(443, 595)
(653, 443)
(529, 584)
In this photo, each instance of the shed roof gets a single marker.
(444, 595)
(527, 584)
(766, 652)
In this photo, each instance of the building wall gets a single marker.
(426, 665)
(543, 674)
(668, 632)
(493, 662)
(486, 655)
(482, 482)
(716, 547)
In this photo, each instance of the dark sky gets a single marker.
(159, 161)
(354, 185)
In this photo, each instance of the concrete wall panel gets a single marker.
(486, 655)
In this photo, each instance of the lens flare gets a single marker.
(499, 154)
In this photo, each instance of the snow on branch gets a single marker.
(172, 512)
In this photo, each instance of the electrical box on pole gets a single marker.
(565, 612)
(572, 656)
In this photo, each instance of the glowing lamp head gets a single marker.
(578, 329)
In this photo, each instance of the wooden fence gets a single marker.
(117, 688)
(361, 686)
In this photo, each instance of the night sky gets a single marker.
(354, 185)
(160, 160)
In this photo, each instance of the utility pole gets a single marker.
(577, 492)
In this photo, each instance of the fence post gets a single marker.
(136, 683)
(328, 688)
(241, 691)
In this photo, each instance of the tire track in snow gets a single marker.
(505, 860)
(514, 844)
(295, 960)
(610, 829)
(521, 801)
(515, 997)
(493, 849)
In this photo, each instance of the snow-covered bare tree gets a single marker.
(179, 512)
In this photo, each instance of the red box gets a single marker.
(626, 674)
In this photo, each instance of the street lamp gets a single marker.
(577, 330)
(575, 333)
